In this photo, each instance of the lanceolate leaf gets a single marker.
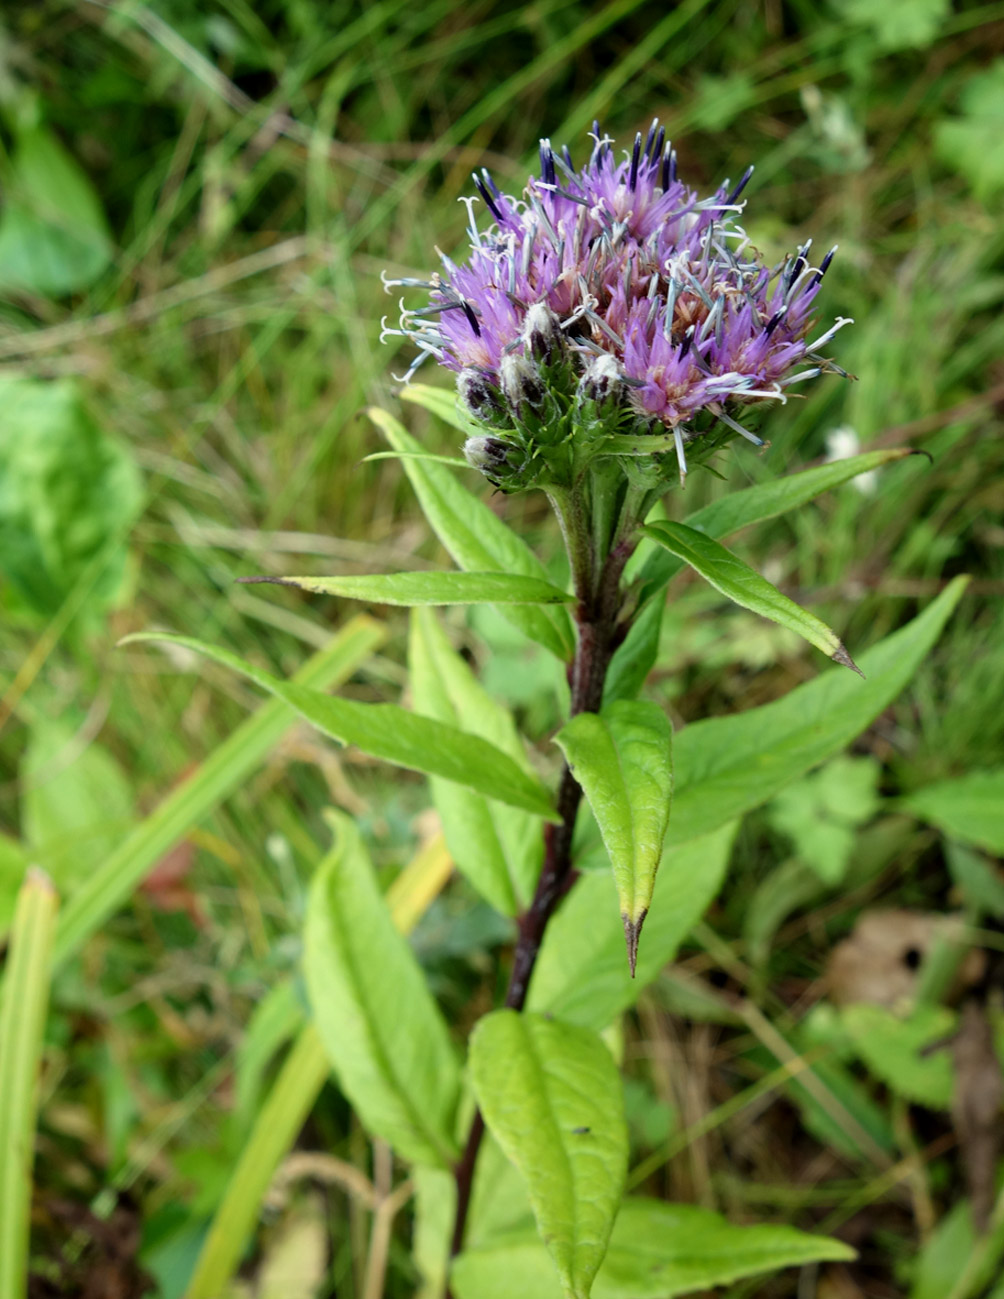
(657, 1251)
(736, 580)
(623, 759)
(392, 733)
(496, 847)
(581, 975)
(429, 588)
(477, 538)
(764, 501)
(726, 765)
(551, 1095)
(389, 1044)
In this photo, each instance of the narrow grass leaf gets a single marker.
(224, 771)
(477, 539)
(581, 975)
(551, 1096)
(657, 1251)
(970, 809)
(386, 731)
(388, 1043)
(496, 847)
(623, 759)
(411, 589)
(764, 501)
(291, 1098)
(725, 766)
(745, 586)
(24, 1000)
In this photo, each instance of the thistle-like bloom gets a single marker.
(613, 296)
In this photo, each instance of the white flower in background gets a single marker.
(841, 444)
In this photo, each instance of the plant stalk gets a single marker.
(599, 633)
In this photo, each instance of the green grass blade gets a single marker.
(23, 1006)
(221, 773)
(281, 1117)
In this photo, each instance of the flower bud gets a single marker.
(542, 334)
(521, 383)
(481, 398)
(488, 455)
(601, 379)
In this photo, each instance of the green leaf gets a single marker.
(14, 863)
(581, 975)
(477, 539)
(899, 24)
(955, 1262)
(68, 495)
(76, 802)
(970, 809)
(972, 144)
(386, 731)
(736, 580)
(657, 1251)
(386, 1038)
(24, 999)
(110, 885)
(54, 238)
(551, 1096)
(635, 657)
(497, 848)
(726, 765)
(979, 880)
(441, 402)
(764, 501)
(894, 1050)
(623, 759)
(429, 588)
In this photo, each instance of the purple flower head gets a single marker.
(620, 270)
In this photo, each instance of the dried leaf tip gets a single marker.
(841, 656)
(632, 932)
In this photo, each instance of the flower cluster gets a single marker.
(614, 297)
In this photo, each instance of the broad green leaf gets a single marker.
(386, 731)
(76, 802)
(24, 999)
(970, 808)
(581, 975)
(623, 759)
(764, 501)
(54, 238)
(899, 24)
(496, 847)
(956, 1262)
(386, 1038)
(66, 491)
(13, 867)
(293, 1095)
(744, 585)
(412, 589)
(551, 1096)
(726, 765)
(657, 1251)
(111, 884)
(971, 144)
(894, 1050)
(477, 539)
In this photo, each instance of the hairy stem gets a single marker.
(600, 632)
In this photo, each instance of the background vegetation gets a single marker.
(198, 200)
